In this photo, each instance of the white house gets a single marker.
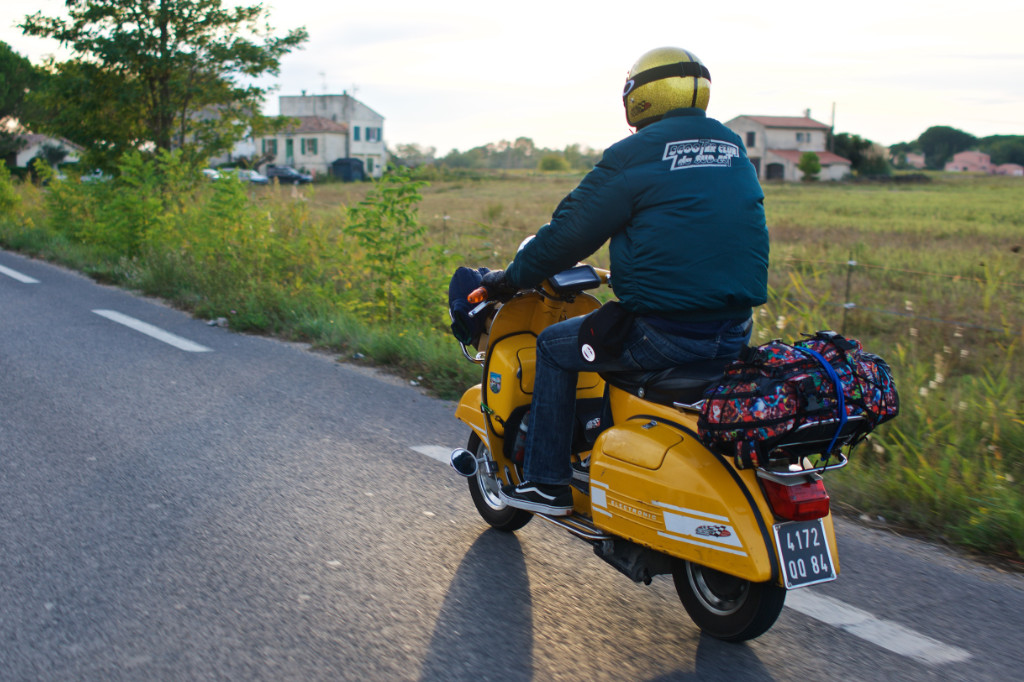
(776, 143)
(33, 144)
(310, 146)
(331, 127)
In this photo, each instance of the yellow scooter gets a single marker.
(648, 496)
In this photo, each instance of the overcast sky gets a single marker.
(462, 73)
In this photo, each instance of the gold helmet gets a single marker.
(663, 79)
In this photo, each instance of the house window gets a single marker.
(370, 134)
(751, 138)
(270, 147)
(289, 148)
(355, 133)
(308, 146)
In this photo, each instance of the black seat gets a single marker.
(684, 384)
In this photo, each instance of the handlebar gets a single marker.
(574, 279)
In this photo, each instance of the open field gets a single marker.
(930, 276)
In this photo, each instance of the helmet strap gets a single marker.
(679, 69)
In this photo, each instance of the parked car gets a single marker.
(253, 177)
(288, 175)
(211, 174)
(96, 175)
(244, 175)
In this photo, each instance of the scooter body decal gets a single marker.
(692, 528)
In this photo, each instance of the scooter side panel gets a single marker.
(693, 505)
(708, 521)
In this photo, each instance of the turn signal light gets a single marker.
(800, 502)
(478, 295)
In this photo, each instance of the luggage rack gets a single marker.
(791, 456)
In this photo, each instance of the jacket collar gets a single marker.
(688, 111)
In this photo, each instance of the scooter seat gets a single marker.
(683, 384)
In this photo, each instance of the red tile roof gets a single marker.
(316, 124)
(826, 158)
(788, 122)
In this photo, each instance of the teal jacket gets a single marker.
(682, 206)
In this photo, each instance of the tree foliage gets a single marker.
(810, 166)
(864, 157)
(940, 143)
(157, 74)
(17, 78)
(521, 154)
(1003, 148)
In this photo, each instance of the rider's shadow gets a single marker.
(486, 620)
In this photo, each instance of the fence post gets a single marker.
(847, 303)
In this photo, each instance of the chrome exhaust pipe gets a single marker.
(464, 462)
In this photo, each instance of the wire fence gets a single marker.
(852, 293)
(855, 299)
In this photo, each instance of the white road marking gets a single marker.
(884, 633)
(155, 332)
(14, 274)
(438, 452)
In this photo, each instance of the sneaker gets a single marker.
(555, 500)
(581, 470)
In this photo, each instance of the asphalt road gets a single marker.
(211, 505)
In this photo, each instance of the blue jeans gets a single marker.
(549, 439)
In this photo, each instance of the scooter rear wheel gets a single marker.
(484, 490)
(726, 607)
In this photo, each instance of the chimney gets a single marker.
(807, 113)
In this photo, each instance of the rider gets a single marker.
(681, 204)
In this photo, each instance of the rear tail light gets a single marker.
(800, 502)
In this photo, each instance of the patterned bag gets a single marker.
(774, 389)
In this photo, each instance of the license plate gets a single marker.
(804, 553)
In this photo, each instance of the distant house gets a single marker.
(970, 162)
(1014, 169)
(776, 143)
(311, 145)
(331, 127)
(33, 144)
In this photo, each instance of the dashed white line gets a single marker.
(155, 332)
(438, 452)
(886, 634)
(14, 274)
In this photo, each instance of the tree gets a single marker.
(1003, 148)
(940, 143)
(159, 74)
(810, 166)
(413, 155)
(554, 163)
(17, 78)
(864, 158)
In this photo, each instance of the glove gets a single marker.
(498, 287)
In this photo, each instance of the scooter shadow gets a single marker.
(484, 629)
(484, 624)
(718, 660)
